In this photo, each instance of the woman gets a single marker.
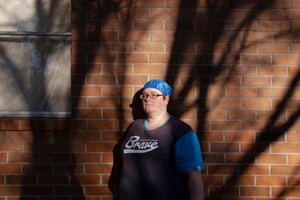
(160, 155)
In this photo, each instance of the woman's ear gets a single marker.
(167, 98)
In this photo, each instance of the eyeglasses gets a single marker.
(152, 96)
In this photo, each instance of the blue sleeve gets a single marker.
(188, 153)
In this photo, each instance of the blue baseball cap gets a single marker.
(160, 85)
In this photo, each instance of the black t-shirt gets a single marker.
(149, 170)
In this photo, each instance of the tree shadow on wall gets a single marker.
(268, 135)
(203, 73)
(50, 173)
(114, 179)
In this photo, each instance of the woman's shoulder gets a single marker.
(178, 122)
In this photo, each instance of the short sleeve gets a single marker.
(188, 153)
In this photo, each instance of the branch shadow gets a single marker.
(268, 135)
(114, 179)
(202, 75)
(51, 173)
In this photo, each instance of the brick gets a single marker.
(226, 103)
(136, 58)
(287, 38)
(229, 169)
(214, 136)
(3, 136)
(10, 168)
(296, 4)
(255, 191)
(261, 103)
(214, 158)
(155, 24)
(107, 158)
(242, 70)
(241, 158)
(291, 192)
(100, 146)
(222, 191)
(10, 190)
(98, 102)
(149, 69)
(292, 104)
(271, 92)
(287, 59)
(89, 179)
(273, 48)
(272, 159)
(3, 157)
(98, 168)
(279, 4)
(154, 3)
(281, 81)
(10, 146)
(142, 13)
(86, 136)
(136, 80)
(158, 58)
(271, 180)
(11, 124)
(293, 159)
(20, 136)
(295, 126)
(239, 136)
(225, 126)
(231, 81)
(216, 115)
(286, 147)
(273, 26)
(266, 15)
(254, 170)
(100, 80)
(294, 48)
(137, 35)
(216, 180)
(245, 180)
(79, 102)
(88, 90)
(264, 114)
(80, 124)
(78, 147)
(107, 124)
(254, 125)
(241, 91)
(224, 147)
(260, 36)
(293, 137)
(88, 157)
(272, 70)
(88, 113)
(149, 47)
(254, 147)
(284, 170)
(241, 115)
(19, 157)
(256, 81)
(293, 180)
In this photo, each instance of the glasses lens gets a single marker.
(152, 96)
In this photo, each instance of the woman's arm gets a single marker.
(195, 185)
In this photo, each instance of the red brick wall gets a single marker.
(234, 66)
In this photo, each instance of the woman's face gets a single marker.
(154, 101)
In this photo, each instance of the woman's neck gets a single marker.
(155, 121)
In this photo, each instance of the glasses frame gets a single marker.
(152, 96)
